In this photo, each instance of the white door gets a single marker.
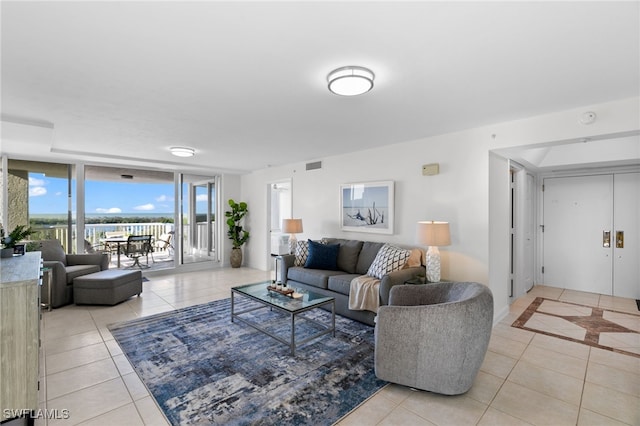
(626, 240)
(577, 214)
(528, 266)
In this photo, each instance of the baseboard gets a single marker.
(499, 316)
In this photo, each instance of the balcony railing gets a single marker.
(94, 233)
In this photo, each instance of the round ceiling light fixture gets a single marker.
(182, 151)
(350, 81)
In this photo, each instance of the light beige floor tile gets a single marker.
(497, 364)
(576, 350)
(555, 325)
(546, 291)
(485, 387)
(618, 304)
(81, 377)
(513, 333)
(91, 402)
(123, 364)
(616, 360)
(629, 342)
(589, 418)
(150, 413)
(396, 393)
(134, 385)
(534, 407)
(402, 417)
(127, 415)
(547, 382)
(371, 412)
(76, 357)
(564, 309)
(610, 377)
(556, 361)
(611, 403)
(580, 297)
(75, 341)
(629, 321)
(113, 347)
(508, 347)
(445, 410)
(493, 417)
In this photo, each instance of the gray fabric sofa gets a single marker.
(66, 267)
(434, 337)
(354, 259)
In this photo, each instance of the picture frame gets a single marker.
(367, 207)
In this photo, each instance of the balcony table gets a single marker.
(115, 240)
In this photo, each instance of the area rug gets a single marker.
(203, 369)
(598, 327)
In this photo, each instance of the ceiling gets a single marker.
(244, 83)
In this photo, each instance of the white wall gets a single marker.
(459, 194)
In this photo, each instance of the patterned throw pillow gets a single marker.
(388, 259)
(302, 253)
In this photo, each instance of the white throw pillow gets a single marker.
(302, 253)
(388, 259)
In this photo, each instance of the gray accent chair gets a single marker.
(65, 267)
(434, 337)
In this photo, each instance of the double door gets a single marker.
(591, 233)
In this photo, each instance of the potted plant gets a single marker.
(236, 233)
(11, 241)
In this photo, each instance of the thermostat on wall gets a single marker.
(430, 169)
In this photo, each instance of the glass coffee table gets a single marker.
(293, 307)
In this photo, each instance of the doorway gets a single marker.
(591, 233)
(198, 228)
(280, 207)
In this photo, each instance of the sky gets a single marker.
(48, 195)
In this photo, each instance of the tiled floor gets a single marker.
(526, 378)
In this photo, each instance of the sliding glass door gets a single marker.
(199, 228)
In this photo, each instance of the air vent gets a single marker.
(314, 166)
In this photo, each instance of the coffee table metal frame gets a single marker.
(286, 305)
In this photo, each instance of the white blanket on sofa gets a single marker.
(364, 294)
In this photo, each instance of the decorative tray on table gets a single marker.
(284, 290)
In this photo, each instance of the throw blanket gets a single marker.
(364, 294)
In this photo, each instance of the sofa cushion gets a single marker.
(348, 253)
(341, 283)
(313, 277)
(79, 270)
(367, 254)
(388, 259)
(301, 253)
(322, 256)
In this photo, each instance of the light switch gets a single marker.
(430, 169)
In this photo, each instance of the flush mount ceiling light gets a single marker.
(350, 81)
(182, 151)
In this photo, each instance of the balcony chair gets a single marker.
(66, 267)
(138, 246)
(434, 337)
(163, 243)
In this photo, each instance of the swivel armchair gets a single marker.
(434, 337)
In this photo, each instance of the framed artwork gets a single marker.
(367, 207)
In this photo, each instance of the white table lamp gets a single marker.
(293, 227)
(434, 235)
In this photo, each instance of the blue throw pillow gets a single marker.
(322, 256)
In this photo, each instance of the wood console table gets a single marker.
(19, 334)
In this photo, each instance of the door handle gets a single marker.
(606, 239)
(619, 239)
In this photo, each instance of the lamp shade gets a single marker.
(432, 233)
(292, 226)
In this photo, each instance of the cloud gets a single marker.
(201, 197)
(145, 207)
(37, 191)
(36, 182)
(164, 198)
(110, 210)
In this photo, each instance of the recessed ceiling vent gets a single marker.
(126, 176)
(314, 166)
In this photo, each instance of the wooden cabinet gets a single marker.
(19, 334)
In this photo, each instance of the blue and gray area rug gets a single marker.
(203, 369)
